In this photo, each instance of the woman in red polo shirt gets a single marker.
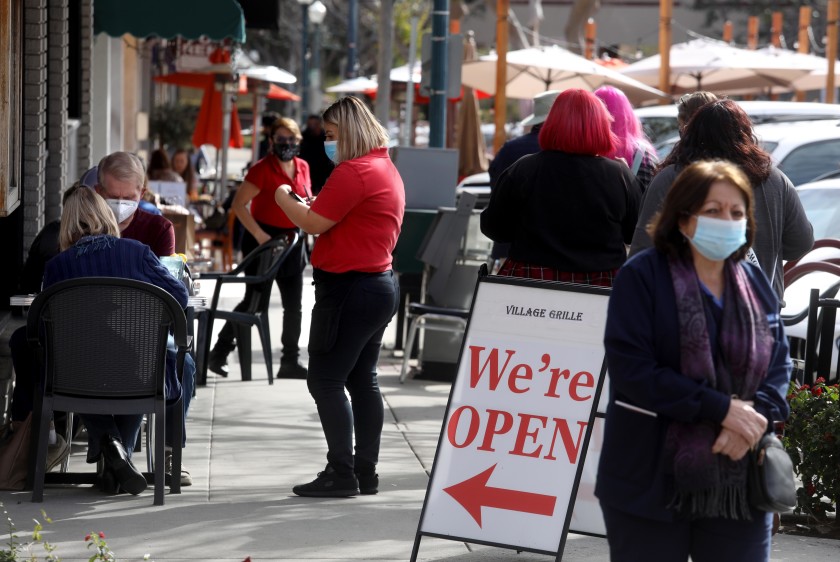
(357, 217)
(262, 222)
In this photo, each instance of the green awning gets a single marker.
(190, 19)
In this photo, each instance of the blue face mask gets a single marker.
(330, 148)
(717, 239)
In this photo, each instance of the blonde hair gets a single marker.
(359, 131)
(123, 166)
(85, 214)
(286, 123)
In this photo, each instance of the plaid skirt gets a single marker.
(513, 268)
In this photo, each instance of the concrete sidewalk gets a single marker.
(249, 443)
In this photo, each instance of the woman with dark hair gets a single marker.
(160, 167)
(699, 368)
(357, 217)
(722, 130)
(567, 210)
(182, 165)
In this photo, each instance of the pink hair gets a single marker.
(578, 123)
(625, 124)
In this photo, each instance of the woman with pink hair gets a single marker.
(631, 142)
(568, 210)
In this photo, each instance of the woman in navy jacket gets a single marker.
(699, 368)
(91, 247)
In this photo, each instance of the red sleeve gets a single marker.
(256, 174)
(165, 242)
(343, 191)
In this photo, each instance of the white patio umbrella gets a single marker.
(538, 69)
(354, 85)
(708, 64)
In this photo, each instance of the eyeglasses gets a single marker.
(285, 140)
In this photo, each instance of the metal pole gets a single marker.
(831, 49)
(352, 38)
(386, 46)
(666, 12)
(409, 86)
(315, 82)
(226, 111)
(500, 100)
(440, 58)
(304, 64)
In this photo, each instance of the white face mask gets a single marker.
(122, 208)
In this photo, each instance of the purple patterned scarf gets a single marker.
(708, 484)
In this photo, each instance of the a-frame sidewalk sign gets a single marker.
(509, 466)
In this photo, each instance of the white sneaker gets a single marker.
(57, 453)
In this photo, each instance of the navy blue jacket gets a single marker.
(647, 390)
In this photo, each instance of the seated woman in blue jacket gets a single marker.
(699, 368)
(91, 247)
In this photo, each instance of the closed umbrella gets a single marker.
(539, 69)
(708, 64)
(472, 150)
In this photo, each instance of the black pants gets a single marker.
(290, 283)
(636, 539)
(349, 318)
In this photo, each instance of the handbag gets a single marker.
(14, 454)
(770, 481)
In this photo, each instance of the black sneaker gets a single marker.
(368, 482)
(329, 484)
(291, 370)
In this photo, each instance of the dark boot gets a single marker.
(217, 361)
(117, 460)
(367, 477)
(291, 368)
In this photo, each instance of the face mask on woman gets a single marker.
(717, 239)
(122, 208)
(330, 148)
(286, 152)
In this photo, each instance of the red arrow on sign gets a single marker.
(474, 493)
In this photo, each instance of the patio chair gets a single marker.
(821, 356)
(269, 257)
(101, 342)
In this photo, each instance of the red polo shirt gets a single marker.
(366, 198)
(267, 175)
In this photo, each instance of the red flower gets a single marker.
(819, 380)
(101, 535)
(87, 537)
(817, 391)
(810, 489)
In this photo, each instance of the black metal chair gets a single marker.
(269, 257)
(820, 342)
(101, 342)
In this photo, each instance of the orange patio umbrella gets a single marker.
(208, 127)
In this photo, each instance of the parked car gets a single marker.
(821, 201)
(660, 122)
(477, 184)
(804, 150)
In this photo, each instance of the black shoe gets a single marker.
(217, 361)
(368, 482)
(108, 482)
(291, 370)
(116, 459)
(329, 484)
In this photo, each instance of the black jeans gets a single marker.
(350, 315)
(290, 283)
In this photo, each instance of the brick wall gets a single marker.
(57, 91)
(84, 136)
(34, 117)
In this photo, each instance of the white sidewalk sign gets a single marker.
(520, 415)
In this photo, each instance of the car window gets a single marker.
(657, 128)
(769, 146)
(822, 206)
(811, 160)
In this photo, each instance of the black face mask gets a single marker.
(286, 152)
